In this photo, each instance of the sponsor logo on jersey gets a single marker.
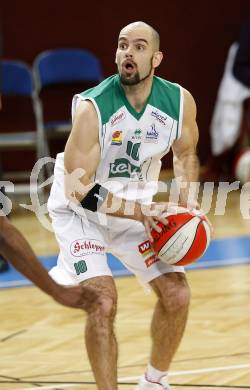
(137, 135)
(152, 135)
(117, 118)
(81, 247)
(122, 167)
(151, 260)
(145, 248)
(116, 138)
(159, 117)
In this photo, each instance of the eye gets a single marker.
(123, 46)
(140, 47)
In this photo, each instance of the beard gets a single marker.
(136, 79)
(130, 80)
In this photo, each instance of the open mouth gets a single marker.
(129, 66)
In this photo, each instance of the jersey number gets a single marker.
(133, 150)
(80, 267)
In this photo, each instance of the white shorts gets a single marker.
(84, 245)
(85, 240)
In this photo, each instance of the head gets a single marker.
(138, 53)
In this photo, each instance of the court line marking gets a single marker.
(196, 266)
(10, 336)
(198, 371)
(135, 378)
(60, 386)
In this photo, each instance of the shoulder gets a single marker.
(166, 85)
(189, 104)
(105, 97)
(168, 97)
(167, 91)
(85, 110)
(176, 88)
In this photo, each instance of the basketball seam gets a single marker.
(178, 230)
(170, 245)
(194, 238)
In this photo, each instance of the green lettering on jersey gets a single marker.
(122, 167)
(133, 150)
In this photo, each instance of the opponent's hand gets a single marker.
(80, 297)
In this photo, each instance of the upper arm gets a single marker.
(83, 148)
(187, 143)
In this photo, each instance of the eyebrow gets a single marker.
(135, 40)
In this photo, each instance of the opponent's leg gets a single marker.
(99, 335)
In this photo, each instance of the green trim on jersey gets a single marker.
(130, 108)
(107, 96)
(166, 97)
(110, 97)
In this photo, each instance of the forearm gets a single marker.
(18, 252)
(122, 208)
(186, 170)
(81, 190)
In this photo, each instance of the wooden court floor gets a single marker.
(41, 342)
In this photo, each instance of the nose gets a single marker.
(129, 53)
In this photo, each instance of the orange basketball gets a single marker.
(184, 240)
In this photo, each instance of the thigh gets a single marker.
(82, 249)
(133, 248)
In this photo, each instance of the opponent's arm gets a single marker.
(186, 162)
(83, 151)
(15, 249)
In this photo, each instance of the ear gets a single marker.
(116, 57)
(157, 58)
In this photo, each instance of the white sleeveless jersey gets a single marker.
(132, 144)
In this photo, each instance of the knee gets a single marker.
(104, 308)
(175, 295)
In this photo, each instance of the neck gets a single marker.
(138, 94)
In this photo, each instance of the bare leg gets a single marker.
(169, 319)
(99, 334)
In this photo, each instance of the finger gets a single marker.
(154, 225)
(172, 208)
(148, 231)
(163, 220)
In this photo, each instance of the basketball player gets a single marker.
(121, 129)
(16, 249)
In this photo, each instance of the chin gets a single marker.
(130, 80)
